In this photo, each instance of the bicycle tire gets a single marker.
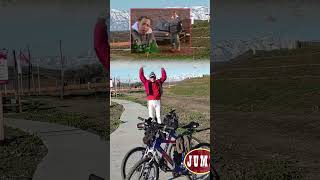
(126, 157)
(139, 163)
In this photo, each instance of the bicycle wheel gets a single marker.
(144, 170)
(130, 159)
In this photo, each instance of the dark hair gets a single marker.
(144, 17)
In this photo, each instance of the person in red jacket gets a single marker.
(101, 42)
(153, 88)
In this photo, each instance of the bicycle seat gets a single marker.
(191, 125)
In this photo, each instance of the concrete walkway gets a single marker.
(73, 154)
(127, 136)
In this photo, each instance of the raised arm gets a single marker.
(141, 75)
(163, 75)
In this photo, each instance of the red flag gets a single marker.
(3, 54)
(101, 44)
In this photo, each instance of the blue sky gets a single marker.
(127, 4)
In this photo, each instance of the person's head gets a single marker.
(144, 24)
(174, 14)
(152, 77)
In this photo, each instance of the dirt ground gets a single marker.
(243, 137)
(278, 137)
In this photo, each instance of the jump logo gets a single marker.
(197, 161)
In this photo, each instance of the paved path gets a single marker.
(127, 136)
(73, 154)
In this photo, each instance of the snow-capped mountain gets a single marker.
(227, 49)
(120, 19)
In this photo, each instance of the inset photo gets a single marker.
(160, 31)
(165, 30)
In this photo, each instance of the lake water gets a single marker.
(176, 70)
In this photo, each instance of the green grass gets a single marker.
(78, 120)
(261, 84)
(115, 113)
(38, 110)
(73, 119)
(200, 54)
(195, 87)
(20, 155)
(268, 95)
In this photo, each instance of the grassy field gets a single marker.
(115, 114)
(86, 113)
(20, 154)
(266, 110)
(189, 98)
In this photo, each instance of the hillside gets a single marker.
(272, 82)
(266, 112)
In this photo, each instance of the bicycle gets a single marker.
(148, 166)
(191, 128)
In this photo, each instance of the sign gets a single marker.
(197, 161)
(3, 67)
(111, 83)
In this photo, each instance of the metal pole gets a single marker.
(129, 83)
(1, 120)
(15, 73)
(39, 88)
(33, 83)
(62, 73)
(18, 81)
(29, 73)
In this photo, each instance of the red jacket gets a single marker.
(101, 44)
(153, 89)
